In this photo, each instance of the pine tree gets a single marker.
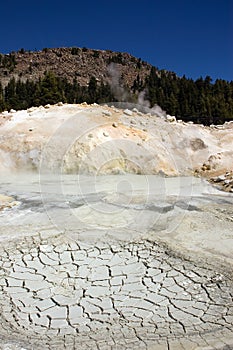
(49, 89)
(92, 90)
(152, 85)
(2, 103)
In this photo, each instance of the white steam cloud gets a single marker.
(155, 110)
(121, 94)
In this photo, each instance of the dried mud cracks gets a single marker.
(71, 295)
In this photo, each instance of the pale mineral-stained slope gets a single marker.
(116, 261)
(95, 139)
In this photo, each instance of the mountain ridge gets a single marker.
(76, 75)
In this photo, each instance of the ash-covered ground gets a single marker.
(101, 248)
(115, 262)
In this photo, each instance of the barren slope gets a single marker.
(95, 139)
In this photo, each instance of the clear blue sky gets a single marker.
(191, 37)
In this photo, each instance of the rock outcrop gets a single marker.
(7, 202)
(224, 181)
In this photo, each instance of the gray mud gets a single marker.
(115, 262)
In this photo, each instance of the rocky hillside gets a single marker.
(76, 75)
(80, 63)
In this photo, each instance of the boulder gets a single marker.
(171, 118)
(128, 112)
(107, 113)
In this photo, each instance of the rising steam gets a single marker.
(121, 94)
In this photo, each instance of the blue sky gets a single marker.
(191, 37)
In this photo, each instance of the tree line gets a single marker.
(49, 90)
(201, 101)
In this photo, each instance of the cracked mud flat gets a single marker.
(116, 263)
